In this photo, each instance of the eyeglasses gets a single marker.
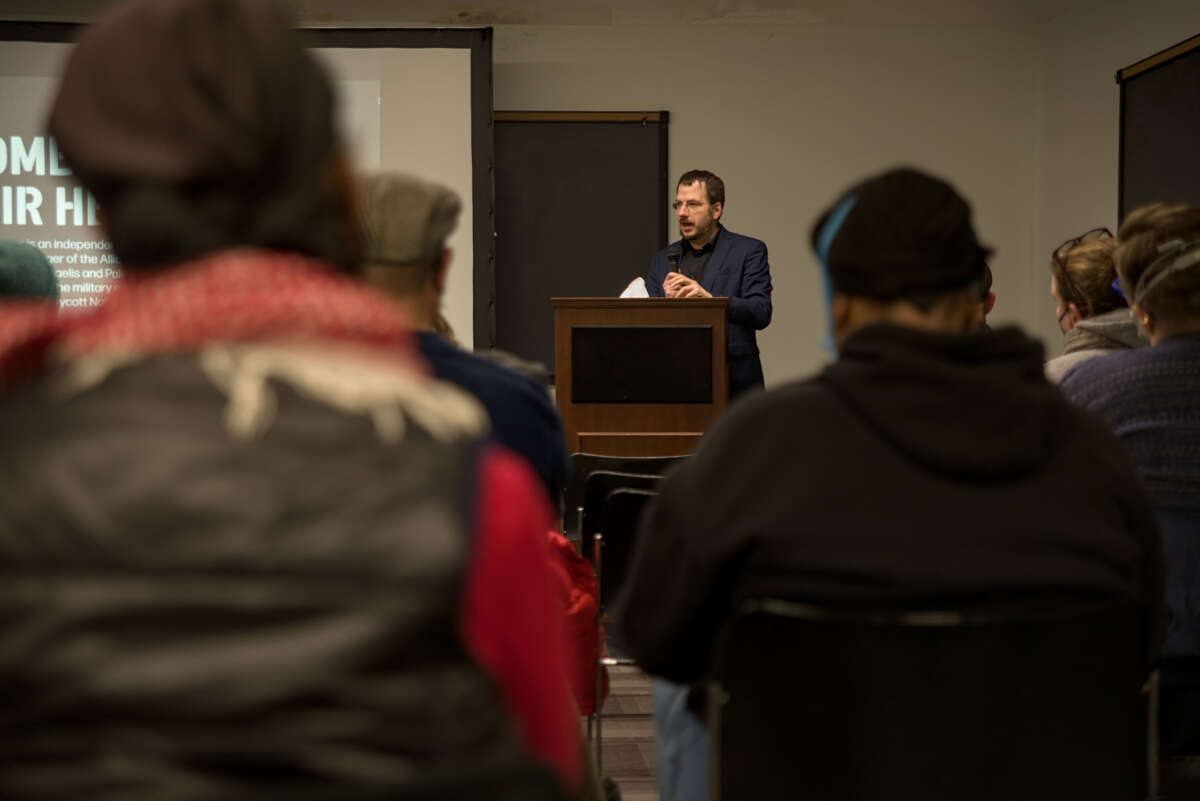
(1059, 261)
(691, 205)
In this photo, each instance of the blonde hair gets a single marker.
(1090, 270)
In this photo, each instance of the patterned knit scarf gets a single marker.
(232, 296)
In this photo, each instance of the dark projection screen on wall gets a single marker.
(1160, 118)
(581, 206)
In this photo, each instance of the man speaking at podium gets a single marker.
(711, 261)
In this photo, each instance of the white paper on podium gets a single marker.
(636, 289)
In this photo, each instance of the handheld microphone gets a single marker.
(674, 253)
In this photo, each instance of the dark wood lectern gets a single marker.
(639, 377)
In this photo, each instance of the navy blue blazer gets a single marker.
(737, 270)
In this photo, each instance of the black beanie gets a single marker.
(900, 232)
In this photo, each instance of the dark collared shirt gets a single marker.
(693, 263)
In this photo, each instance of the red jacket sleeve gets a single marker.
(513, 620)
(577, 585)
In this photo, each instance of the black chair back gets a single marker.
(584, 464)
(619, 520)
(599, 485)
(935, 706)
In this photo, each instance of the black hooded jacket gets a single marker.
(919, 470)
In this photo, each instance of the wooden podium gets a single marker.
(639, 377)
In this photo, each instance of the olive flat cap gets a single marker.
(407, 219)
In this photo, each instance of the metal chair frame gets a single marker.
(595, 732)
(584, 464)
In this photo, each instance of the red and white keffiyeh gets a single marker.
(232, 296)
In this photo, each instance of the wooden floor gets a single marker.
(628, 730)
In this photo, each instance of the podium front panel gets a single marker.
(635, 399)
(641, 364)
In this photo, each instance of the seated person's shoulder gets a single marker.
(486, 379)
(1105, 375)
(1086, 437)
(804, 392)
(534, 371)
(793, 409)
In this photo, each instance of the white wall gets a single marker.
(789, 116)
(1022, 118)
(409, 110)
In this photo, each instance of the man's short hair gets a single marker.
(714, 186)
(1155, 243)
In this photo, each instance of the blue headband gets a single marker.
(829, 232)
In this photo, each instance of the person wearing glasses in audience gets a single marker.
(1151, 398)
(711, 261)
(1092, 313)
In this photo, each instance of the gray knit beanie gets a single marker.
(25, 272)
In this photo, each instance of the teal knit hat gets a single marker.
(25, 272)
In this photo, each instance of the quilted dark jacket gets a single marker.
(191, 613)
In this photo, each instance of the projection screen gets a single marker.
(413, 100)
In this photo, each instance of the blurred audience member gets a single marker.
(250, 549)
(408, 222)
(862, 486)
(1151, 399)
(1092, 313)
(25, 273)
